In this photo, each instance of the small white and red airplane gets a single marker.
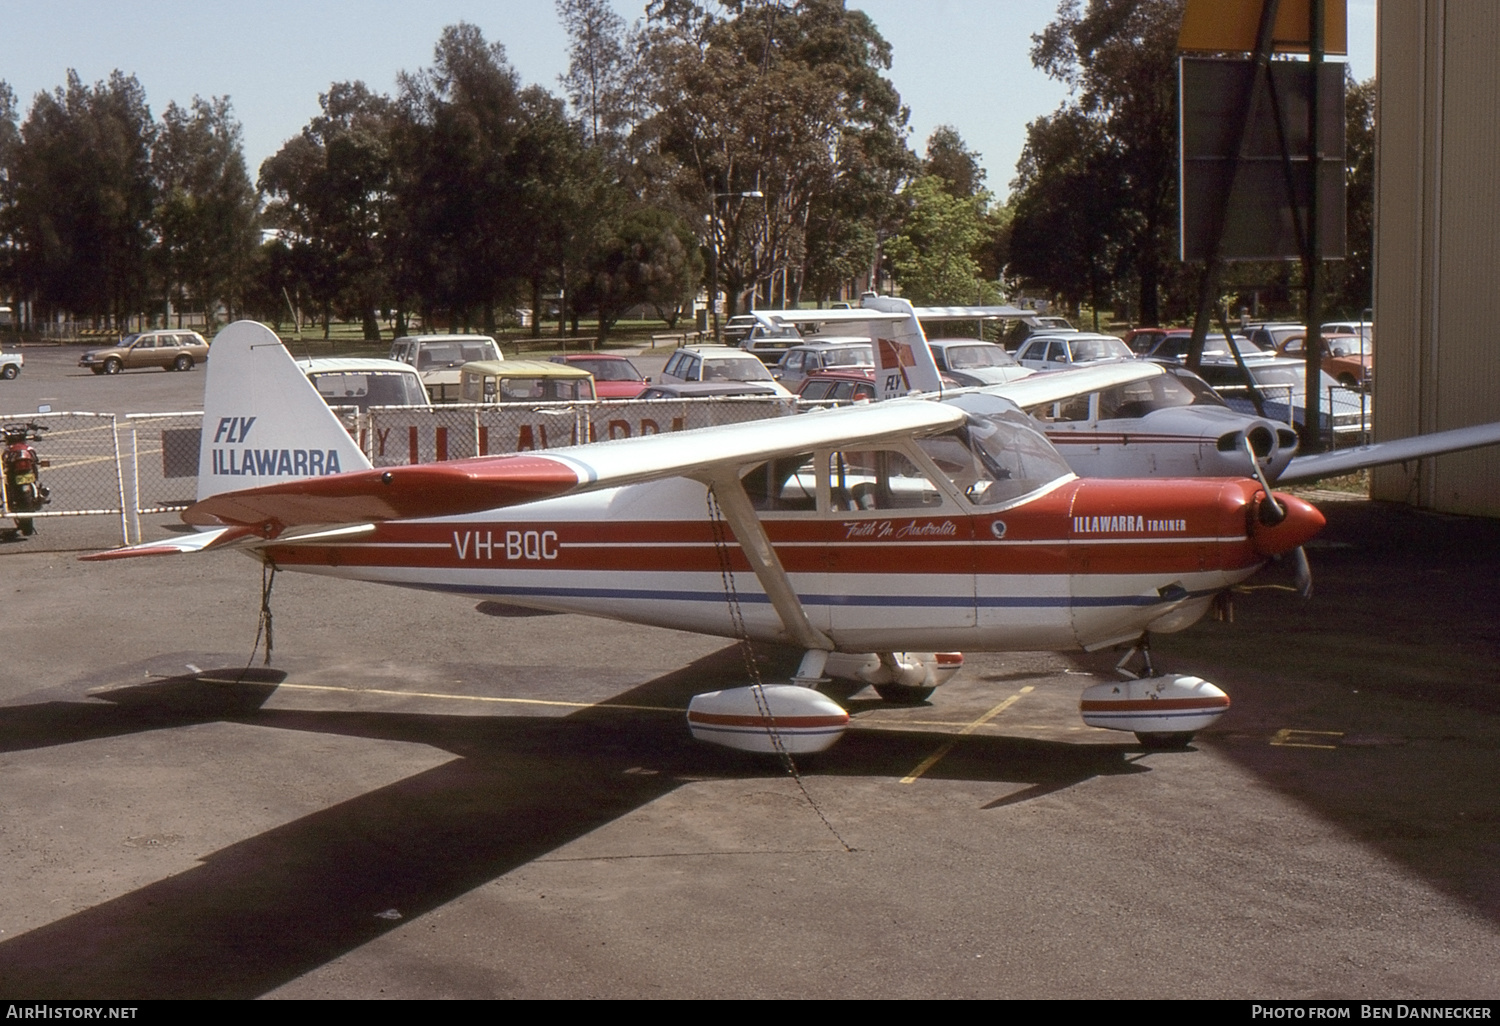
(1157, 422)
(881, 539)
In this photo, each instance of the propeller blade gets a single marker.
(1304, 572)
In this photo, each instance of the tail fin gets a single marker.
(263, 421)
(904, 361)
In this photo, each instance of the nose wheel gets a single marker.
(1163, 710)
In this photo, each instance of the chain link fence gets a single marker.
(396, 435)
(80, 465)
(116, 470)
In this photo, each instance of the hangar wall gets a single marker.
(1437, 244)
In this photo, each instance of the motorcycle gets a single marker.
(24, 491)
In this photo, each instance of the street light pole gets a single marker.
(713, 285)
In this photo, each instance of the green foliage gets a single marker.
(1119, 58)
(206, 208)
(788, 101)
(649, 258)
(932, 256)
(80, 197)
(329, 187)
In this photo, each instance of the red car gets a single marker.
(845, 385)
(615, 377)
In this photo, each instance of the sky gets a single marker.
(964, 63)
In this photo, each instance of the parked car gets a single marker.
(362, 383)
(615, 377)
(1024, 328)
(716, 364)
(1364, 329)
(810, 357)
(524, 381)
(768, 342)
(1172, 348)
(707, 390)
(1347, 358)
(438, 359)
(738, 327)
(839, 386)
(1270, 336)
(169, 350)
(1283, 387)
(10, 365)
(1141, 341)
(972, 361)
(1054, 352)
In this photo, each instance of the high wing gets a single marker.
(1344, 461)
(839, 316)
(1056, 386)
(970, 313)
(494, 482)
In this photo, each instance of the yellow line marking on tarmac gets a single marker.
(475, 698)
(1284, 738)
(932, 760)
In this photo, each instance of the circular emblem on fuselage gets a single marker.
(997, 528)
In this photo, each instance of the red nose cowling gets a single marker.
(1301, 523)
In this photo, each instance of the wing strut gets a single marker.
(754, 543)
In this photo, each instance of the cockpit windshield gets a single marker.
(998, 456)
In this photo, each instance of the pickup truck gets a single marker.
(10, 365)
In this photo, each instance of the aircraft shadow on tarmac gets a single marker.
(262, 912)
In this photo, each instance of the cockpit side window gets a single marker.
(789, 484)
(878, 479)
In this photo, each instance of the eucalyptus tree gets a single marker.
(206, 213)
(81, 196)
(788, 102)
(1119, 58)
(330, 194)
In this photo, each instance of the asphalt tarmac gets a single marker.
(421, 798)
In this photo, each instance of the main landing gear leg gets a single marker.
(1141, 648)
(810, 672)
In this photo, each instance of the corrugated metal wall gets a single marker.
(1437, 247)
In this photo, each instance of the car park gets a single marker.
(615, 377)
(717, 364)
(1172, 348)
(1347, 358)
(1056, 352)
(10, 365)
(972, 361)
(438, 359)
(1282, 384)
(166, 350)
(811, 357)
(363, 383)
(524, 381)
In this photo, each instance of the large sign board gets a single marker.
(1251, 192)
(1229, 25)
